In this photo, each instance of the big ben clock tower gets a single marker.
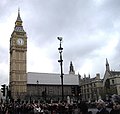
(18, 53)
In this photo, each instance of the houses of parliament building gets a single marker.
(33, 85)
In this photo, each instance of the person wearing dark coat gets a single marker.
(116, 105)
(101, 107)
(83, 108)
(115, 111)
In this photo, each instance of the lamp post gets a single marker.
(37, 89)
(61, 63)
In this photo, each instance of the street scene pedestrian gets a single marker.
(101, 107)
(83, 108)
(116, 105)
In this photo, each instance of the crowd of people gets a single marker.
(36, 108)
(58, 108)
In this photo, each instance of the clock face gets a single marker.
(20, 41)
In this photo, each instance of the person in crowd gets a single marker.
(116, 105)
(115, 109)
(83, 108)
(101, 107)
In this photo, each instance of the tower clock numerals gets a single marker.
(20, 41)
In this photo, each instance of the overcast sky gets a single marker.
(90, 31)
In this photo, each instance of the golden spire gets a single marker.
(18, 24)
(19, 18)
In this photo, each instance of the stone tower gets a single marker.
(107, 65)
(71, 71)
(18, 56)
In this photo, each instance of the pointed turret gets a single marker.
(19, 18)
(71, 71)
(107, 65)
(84, 77)
(18, 24)
(89, 76)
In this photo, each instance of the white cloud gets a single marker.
(37, 60)
(87, 67)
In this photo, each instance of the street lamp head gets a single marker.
(59, 38)
(37, 82)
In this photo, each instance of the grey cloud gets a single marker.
(78, 21)
(74, 20)
(3, 55)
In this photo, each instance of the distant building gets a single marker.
(111, 81)
(94, 88)
(50, 84)
(91, 88)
